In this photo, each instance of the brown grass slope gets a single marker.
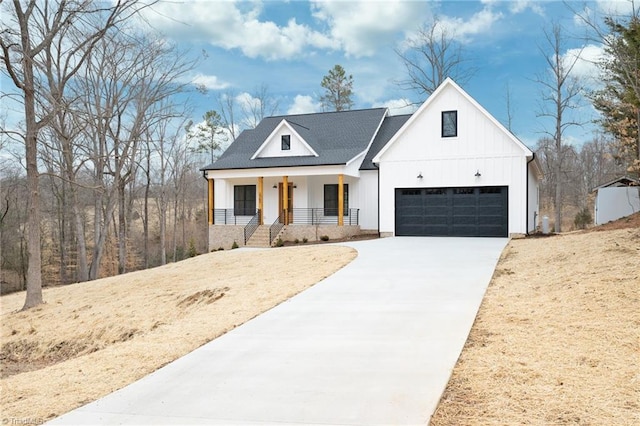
(557, 338)
(93, 338)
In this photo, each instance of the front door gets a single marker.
(289, 202)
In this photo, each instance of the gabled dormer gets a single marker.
(285, 141)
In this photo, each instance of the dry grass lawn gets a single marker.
(556, 341)
(93, 338)
(557, 338)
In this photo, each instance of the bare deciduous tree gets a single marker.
(28, 29)
(431, 56)
(559, 94)
(228, 112)
(126, 90)
(259, 105)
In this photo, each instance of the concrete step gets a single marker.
(260, 237)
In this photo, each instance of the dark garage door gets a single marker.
(460, 212)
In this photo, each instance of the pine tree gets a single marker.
(619, 101)
(338, 90)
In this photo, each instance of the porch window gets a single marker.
(244, 200)
(331, 199)
(285, 144)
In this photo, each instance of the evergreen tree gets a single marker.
(338, 90)
(208, 134)
(619, 101)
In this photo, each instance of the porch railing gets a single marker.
(275, 227)
(251, 227)
(322, 216)
(231, 217)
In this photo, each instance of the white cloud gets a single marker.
(361, 27)
(235, 25)
(304, 104)
(616, 7)
(480, 23)
(248, 102)
(210, 82)
(519, 6)
(586, 67)
(398, 106)
(459, 29)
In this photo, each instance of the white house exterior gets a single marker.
(479, 154)
(616, 199)
(448, 169)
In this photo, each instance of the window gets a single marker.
(331, 199)
(449, 124)
(463, 191)
(285, 142)
(491, 190)
(244, 200)
(435, 191)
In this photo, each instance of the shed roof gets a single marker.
(620, 181)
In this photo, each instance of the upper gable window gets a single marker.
(449, 124)
(285, 142)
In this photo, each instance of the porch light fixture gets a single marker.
(295, 186)
(420, 175)
(275, 186)
(477, 174)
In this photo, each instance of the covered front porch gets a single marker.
(260, 210)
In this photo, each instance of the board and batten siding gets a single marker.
(481, 146)
(368, 200)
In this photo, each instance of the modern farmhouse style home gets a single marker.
(449, 169)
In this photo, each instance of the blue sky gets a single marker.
(290, 45)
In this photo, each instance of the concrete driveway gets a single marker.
(374, 344)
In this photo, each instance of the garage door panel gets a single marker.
(466, 211)
(436, 220)
(435, 210)
(496, 211)
(434, 230)
(413, 211)
(490, 221)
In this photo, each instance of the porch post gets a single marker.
(340, 199)
(210, 200)
(260, 200)
(285, 198)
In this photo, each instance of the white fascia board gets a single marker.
(375, 134)
(449, 82)
(284, 171)
(282, 124)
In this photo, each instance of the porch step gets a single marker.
(260, 237)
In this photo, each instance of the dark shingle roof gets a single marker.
(390, 127)
(336, 137)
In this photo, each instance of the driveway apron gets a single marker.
(373, 344)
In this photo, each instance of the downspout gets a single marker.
(206, 208)
(533, 156)
(378, 169)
